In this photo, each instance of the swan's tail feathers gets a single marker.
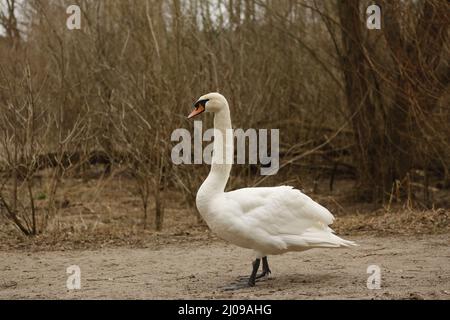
(348, 243)
(342, 242)
(330, 242)
(319, 240)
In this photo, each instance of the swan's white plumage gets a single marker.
(269, 220)
(272, 220)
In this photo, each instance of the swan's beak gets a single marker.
(199, 108)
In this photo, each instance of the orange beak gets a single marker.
(199, 109)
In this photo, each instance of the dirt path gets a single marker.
(410, 268)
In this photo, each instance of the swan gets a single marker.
(268, 220)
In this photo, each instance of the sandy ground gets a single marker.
(411, 268)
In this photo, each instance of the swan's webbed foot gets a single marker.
(245, 282)
(236, 286)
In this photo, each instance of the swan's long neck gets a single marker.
(222, 157)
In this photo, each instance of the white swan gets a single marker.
(268, 220)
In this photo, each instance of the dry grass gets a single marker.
(100, 213)
(398, 222)
(367, 105)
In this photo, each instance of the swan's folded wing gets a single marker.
(280, 210)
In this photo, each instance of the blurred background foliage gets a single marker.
(369, 105)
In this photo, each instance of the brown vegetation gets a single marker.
(371, 105)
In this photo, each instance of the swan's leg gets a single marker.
(251, 280)
(266, 270)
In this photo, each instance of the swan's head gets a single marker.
(211, 102)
